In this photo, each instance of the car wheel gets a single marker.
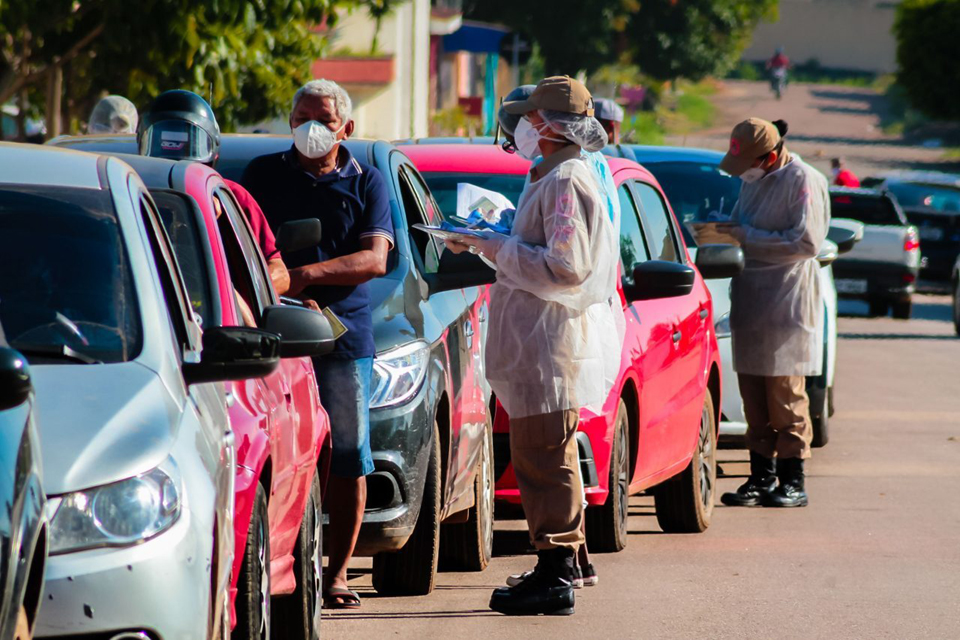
(878, 307)
(297, 616)
(468, 546)
(831, 407)
(902, 309)
(607, 524)
(22, 630)
(412, 571)
(684, 504)
(253, 584)
(819, 415)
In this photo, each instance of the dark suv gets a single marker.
(430, 498)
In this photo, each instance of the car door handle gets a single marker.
(676, 336)
(704, 313)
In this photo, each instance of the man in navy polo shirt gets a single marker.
(319, 178)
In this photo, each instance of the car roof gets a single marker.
(446, 140)
(652, 154)
(923, 177)
(859, 191)
(465, 158)
(37, 165)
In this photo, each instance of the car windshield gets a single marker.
(176, 212)
(915, 194)
(444, 187)
(865, 209)
(66, 289)
(697, 191)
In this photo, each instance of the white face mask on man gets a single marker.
(752, 174)
(314, 139)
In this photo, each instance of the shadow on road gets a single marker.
(511, 543)
(894, 336)
(411, 615)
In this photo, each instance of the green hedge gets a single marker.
(928, 55)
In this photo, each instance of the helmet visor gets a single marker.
(177, 140)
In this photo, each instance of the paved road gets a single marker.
(825, 121)
(876, 555)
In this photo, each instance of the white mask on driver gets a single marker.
(752, 175)
(314, 139)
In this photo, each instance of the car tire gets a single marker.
(468, 546)
(297, 616)
(956, 307)
(684, 504)
(22, 630)
(253, 584)
(412, 571)
(878, 307)
(831, 407)
(607, 524)
(819, 415)
(902, 309)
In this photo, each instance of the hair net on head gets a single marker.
(585, 131)
(113, 114)
(509, 121)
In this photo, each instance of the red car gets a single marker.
(658, 428)
(282, 433)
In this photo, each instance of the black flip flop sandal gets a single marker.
(338, 598)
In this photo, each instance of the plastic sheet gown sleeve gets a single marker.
(553, 341)
(776, 313)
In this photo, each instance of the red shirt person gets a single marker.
(843, 177)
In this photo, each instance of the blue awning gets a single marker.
(475, 37)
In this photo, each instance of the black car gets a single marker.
(430, 498)
(23, 532)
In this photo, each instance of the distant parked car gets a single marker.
(882, 269)
(23, 527)
(138, 455)
(931, 201)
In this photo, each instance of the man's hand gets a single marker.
(359, 267)
(299, 279)
(456, 247)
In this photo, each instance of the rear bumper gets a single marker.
(883, 279)
(939, 259)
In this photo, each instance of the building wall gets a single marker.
(842, 34)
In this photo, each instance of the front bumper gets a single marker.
(161, 587)
(883, 280)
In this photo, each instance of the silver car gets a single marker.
(137, 453)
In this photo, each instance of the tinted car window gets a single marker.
(444, 187)
(937, 197)
(65, 278)
(414, 198)
(659, 230)
(865, 209)
(250, 269)
(696, 190)
(633, 247)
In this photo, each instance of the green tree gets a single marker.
(378, 10)
(927, 52)
(248, 56)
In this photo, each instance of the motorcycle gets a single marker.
(778, 81)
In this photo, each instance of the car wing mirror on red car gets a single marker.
(296, 235)
(656, 279)
(845, 237)
(715, 261)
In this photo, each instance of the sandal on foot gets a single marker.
(338, 598)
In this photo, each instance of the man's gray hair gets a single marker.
(326, 89)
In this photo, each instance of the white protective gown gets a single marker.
(553, 341)
(776, 312)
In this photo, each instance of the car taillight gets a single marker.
(908, 278)
(911, 243)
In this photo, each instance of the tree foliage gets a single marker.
(252, 53)
(927, 53)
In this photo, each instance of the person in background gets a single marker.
(318, 177)
(552, 345)
(843, 177)
(180, 125)
(776, 308)
(779, 61)
(113, 114)
(610, 115)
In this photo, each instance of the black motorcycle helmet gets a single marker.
(179, 125)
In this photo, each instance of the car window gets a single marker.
(444, 187)
(250, 267)
(633, 246)
(181, 225)
(65, 276)
(414, 198)
(697, 191)
(915, 194)
(865, 209)
(659, 231)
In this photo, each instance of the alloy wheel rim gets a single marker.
(487, 497)
(706, 457)
(264, 568)
(623, 480)
(316, 559)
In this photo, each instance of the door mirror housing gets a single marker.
(715, 261)
(845, 236)
(234, 353)
(15, 382)
(828, 253)
(656, 279)
(303, 332)
(460, 271)
(297, 235)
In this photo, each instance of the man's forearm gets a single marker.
(279, 276)
(353, 269)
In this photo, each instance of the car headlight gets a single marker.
(119, 514)
(398, 374)
(722, 326)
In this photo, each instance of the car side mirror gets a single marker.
(460, 271)
(716, 261)
(299, 234)
(15, 383)
(828, 253)
(303, 332)
(656, 279)
(844, 237)
(234, 353)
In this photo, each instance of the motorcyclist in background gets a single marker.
(778, 66)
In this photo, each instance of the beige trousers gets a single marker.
(778, 415)
(543, 450)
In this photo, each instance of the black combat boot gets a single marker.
(548, 590)
(761, 483)
(791, 492)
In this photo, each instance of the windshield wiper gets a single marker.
(56, 351)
